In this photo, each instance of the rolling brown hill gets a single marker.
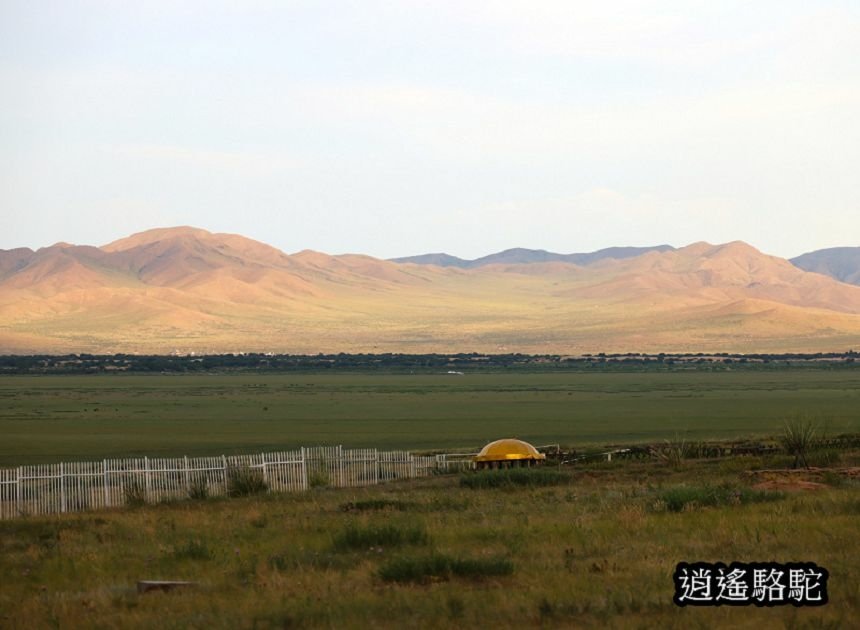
(187, 289)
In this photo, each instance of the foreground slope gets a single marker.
(188, 289)
(595, 551)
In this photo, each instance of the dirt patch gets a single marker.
(789, 485)
(797, 479)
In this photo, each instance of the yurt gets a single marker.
(508, 453)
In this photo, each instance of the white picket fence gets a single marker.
(82, 486)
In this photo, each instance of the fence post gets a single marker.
(187, 476)
(376, 467)
(412, 469)
(265, 472)
(107, 492)
(224, 463)
(147, 484)
(304, 470)
(62, 487)
(18, 489)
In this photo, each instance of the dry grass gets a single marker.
(590, 553)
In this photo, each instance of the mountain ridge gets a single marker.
(522, 255)
(187, 288)
(840, 263)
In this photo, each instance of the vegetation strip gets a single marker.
(440, 567)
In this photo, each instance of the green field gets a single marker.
(55, 418)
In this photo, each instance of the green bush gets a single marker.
(134, 494)
(199, 489)
(833, 479)
(193, 550)
(318, 479)
(357, 537)
(825, 458)
(678, 498)
(440, 567)
(376, 504)
(510, 477)
(243, 481)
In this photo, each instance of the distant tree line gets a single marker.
(389, 362)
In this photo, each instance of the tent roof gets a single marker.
(508, 449)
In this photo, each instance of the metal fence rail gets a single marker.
(81, 486)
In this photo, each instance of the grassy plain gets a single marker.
(597, 550)
(57, 418)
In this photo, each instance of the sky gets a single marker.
(393, 128)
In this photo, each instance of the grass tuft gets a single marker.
(243, 481)
(199, 489)
(193, 550)
(319, 479)
(442, 568)
(507, 478)
(134, 494)
(357, 537)
(376, 505)
(681, 498)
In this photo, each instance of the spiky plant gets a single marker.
(798, 435)
(673, 452)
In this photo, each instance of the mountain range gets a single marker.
(519, 255)
(841, 263)
(186, 289)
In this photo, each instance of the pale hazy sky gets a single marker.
(396, 128)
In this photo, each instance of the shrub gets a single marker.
(674, 452)
(510, 477)
(833, 479)
(797, 437)
(243, 481)
(193, 550)
(445, 503)
(318, 479)
(376, 504)
(440, 567)
(678, 498)
(356, 537)
(134, 493)
(199, 489)
(825, 458)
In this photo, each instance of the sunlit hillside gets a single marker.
(185, 289)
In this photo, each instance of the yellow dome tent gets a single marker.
(507, 453)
